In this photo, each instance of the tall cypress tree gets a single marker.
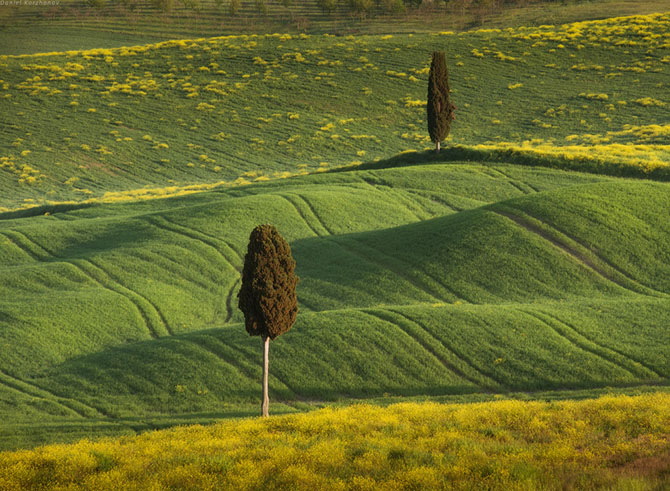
(267, 296)
(440, 110)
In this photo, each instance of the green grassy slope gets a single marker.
(226, 110)
(467, 275)
(440, 279)
(75, 24)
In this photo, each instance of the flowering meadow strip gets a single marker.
(613, 441)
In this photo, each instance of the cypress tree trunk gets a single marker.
(265, 405)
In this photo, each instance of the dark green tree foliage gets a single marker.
(440, 110)
(268, 297)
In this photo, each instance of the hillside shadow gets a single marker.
(460, 154)
(446, 155)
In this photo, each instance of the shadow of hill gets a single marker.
(460, 154)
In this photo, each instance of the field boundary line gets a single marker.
(574, 339)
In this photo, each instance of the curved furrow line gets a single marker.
(237, 367)
(491, 383)
(44, 255)
(621, 354)
(209, 236)
(173, 267)
(600, 258)
(436, 282)
(316, 215)
(104, 280)
(165, 224)
(397, 193)
(301, 214)
(574, 338)
(230, 298)
(440, 199)
(432, 197)
(580, 257)
(427, 289)
(26, 250)
(118, 281)
(426, 346)
(514, 182)
(396, 271)
(32, 390)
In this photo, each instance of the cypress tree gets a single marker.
(440, 110)
(267, 297)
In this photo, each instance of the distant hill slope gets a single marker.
(439, 279)
(183, 115)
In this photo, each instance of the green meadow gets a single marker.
(527, 260)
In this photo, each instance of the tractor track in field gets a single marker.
(429, 290)
(433, 198)
(492, 383)
(316, 215)
(580, 257)
(515, 182)
(99, 276)
(496, 386)
(209, 241)
(397, 271)
(291, 199)
(202, 344)
(170, 226)
(32, 390)
(399, 193)
(619, 353)
(579, 341)
(230, 298)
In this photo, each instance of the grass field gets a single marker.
(527, 260)
(230, 110)
(607, 443)
(76, 24)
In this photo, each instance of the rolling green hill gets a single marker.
(530, 259)
(428, 280)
